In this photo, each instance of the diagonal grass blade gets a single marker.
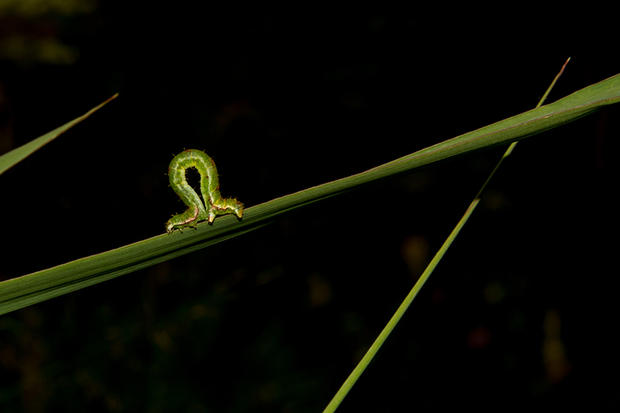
(52, 282)
(404, 306)
(16, 155)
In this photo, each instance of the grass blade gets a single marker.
(402, 308)
(42, 285)
(14, 156)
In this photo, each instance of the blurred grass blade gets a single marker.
(402, 308)
(42, 285)
(16, 155)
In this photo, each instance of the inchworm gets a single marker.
(197, 211)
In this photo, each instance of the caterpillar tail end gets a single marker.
(226, 206)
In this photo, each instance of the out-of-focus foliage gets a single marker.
(38, 41)
(39, 8)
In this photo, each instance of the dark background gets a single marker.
(522, 311)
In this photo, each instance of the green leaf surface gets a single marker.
(16, 155)
(374, 348)
(42, 285)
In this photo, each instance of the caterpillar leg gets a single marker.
(189, 218)
(224, 206)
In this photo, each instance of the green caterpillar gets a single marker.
(197, 211)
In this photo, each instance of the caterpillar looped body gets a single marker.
(211, 205)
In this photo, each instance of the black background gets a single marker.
(522, 311)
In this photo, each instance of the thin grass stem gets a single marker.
(402, 308)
